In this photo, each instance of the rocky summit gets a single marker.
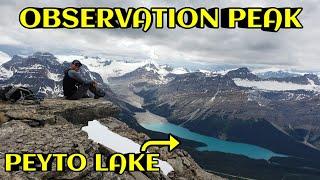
(54, 126)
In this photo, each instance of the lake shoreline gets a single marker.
(149, 118)
(212, 144)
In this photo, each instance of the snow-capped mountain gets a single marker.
(242, 73)
(46, 71)
(242, 77)
(41, 72)
(115, 68)
(152, 73)
(105, 67)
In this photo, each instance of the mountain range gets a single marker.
(276, 110)
(289, 102)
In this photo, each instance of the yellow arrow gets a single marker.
(172, 142)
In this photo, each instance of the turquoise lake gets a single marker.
(213, 144)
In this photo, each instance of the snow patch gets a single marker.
(45, 90)
(56, 91)
(206, 72)
(4, 57)
(116, 68)
(275, 85)
(101, 134)
(5, 74)
(162, 70)
(19, 85)
(32, 67)
(179, 71)
(215, 95)
(54, 76)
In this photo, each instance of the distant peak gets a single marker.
(242, 73)
(243, 69)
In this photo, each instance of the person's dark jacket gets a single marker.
(71, 81)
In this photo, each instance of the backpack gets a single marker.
(13, 94)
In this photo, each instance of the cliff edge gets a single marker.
(54, 126)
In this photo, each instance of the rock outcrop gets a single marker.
(54, 126)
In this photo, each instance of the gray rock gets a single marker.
(54, 126)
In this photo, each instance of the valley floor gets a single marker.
(122, 90)
(148, 117)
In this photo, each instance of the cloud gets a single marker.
(292, 48)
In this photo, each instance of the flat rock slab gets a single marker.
(53, 110)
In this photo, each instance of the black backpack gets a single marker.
(13, 94)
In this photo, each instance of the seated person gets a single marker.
(76, 87)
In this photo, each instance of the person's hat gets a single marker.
(77, 63)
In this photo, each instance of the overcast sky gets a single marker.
(292, 48)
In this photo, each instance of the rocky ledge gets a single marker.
(54, 126)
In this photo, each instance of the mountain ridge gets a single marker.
(218, 95)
